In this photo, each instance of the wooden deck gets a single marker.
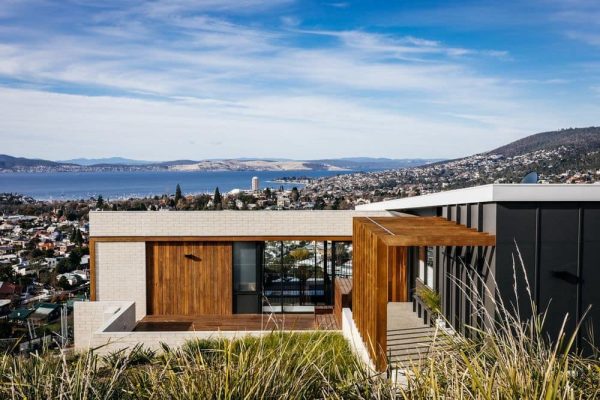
(237, 322)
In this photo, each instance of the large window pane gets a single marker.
(244, 267)
(272, 277)
(294, 276)
(343, 259)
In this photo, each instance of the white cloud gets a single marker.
(171, 73)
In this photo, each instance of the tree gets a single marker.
(75, 258)
(217, 198)
(295, 194)
(319, 203)
(64, 283)
(100, 202)
(7, 274)
(63, 266)
(79, 238)
(178, 195)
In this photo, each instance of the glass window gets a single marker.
(244, 266)
(272, 280)
(430, 260)
(294, 277)
(343, 259)
(422, 260)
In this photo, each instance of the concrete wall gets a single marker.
(121, 273)
(107, 326)
(352, 335)
(225, 223)
(91, 317)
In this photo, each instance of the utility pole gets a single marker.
(64, 326)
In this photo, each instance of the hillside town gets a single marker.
(44, 268)
(558, 165)
(44, 258)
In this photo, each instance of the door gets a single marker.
(246, 272)
(189, 278)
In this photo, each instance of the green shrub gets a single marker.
(430, 298)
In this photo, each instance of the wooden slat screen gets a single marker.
(189, 278)
(398, 265)
(370, 291)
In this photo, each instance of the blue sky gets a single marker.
(169, 79)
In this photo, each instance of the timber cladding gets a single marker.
(370, 291)
(189, 278)
(343, 297)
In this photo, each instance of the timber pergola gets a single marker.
(379, 267)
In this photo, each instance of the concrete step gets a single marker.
(410, 331)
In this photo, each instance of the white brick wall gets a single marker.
(225, 223)
(90, 317)
(121, 273)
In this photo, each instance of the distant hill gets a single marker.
(580, 139)
(367, 163)
(14, 164)
(106, 161)
(9, 162)
(563, 156)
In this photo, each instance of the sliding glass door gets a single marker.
(295, 277)
(272, 277)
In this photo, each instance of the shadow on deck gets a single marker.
(409, 340)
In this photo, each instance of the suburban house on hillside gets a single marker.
(171, 276)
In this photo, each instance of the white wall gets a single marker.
(121, 273)
(225, 223)
(350, 332)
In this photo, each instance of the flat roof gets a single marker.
(493, 193)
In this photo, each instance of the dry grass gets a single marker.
(278, 366)
(509, 359)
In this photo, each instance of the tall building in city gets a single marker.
(255, 184)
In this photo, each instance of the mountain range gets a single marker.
(20, 164)
(546, 152)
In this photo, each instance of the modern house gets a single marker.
(545, 235)
(171, 276)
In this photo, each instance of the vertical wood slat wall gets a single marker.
(366, 307)
(397, 271)
(379, 275)
(199, 284)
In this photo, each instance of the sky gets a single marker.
(198, 79)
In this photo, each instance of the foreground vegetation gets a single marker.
(509, 359)
(304, 366)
